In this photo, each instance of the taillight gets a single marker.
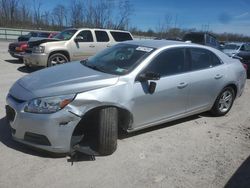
(245, 66)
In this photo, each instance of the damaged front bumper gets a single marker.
(50, 132)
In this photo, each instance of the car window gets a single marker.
(66, 34)
(202, 59)
(121, 36)
(168, 62)
(45, 35)
(245, 47)
(195, 38)
(101, 36)
(85, 36)
(33, 34)
(231, 47)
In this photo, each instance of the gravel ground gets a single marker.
(200, 151)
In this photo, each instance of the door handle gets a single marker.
(218, 76)
(92, 46)
(182, 85)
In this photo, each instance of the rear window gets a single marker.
(195, 38)
(121, 36)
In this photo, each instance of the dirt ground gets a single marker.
(200, 151)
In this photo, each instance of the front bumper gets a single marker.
(32, 59)
(50, 132)
(18, 55)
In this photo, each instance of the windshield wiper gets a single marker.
(94, 67)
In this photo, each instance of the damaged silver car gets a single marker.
(130, 86)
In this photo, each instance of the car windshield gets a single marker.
(66, 34)
(119, 59)
(231, 47)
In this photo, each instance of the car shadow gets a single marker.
(26, 69)
(241, 178)
(14, 61)
(6, 139)
(124, 134)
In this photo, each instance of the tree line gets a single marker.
(112, 14)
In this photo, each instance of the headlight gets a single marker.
(38, 49)
(48, 105)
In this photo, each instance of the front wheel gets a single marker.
(57, 59)
(223, 102)
(107, 130)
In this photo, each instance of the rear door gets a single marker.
(102, 40)
(206, 78)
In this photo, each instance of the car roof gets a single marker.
(158, 43)
(97, 29)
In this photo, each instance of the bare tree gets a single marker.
(125, 11)
(37, 15)
(59, 14)
(25, 13)
(76, 13)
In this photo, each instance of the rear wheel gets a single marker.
(57, 59)
(223, 102)
(107, 130)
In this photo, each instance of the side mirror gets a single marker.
(148, 76)
(78, 39)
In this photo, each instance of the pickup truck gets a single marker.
(71, 45)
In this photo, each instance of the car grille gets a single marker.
(28, 50)
(10, 113)
(12, 47)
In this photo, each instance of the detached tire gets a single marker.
(223, 102)
(57, 59)
(107, 131)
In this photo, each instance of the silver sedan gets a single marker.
(132, 85)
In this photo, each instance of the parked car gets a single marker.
(36, 34)
(132, 85)
(72, 44)
(231, 48)
(17, 49)
(202, 38)
(244, 53)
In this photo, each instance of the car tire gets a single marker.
(57, 59)
(223, 102)
(107, 130)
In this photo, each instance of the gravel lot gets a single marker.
(201, 151)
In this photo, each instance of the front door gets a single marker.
(84, 46)
(170, 96)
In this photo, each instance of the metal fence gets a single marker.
(13, 34)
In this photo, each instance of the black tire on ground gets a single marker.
(57, 59)
(223, 102)
(20, 59)
(107, 130)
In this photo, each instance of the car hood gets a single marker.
(64, 79)
(41, 41)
